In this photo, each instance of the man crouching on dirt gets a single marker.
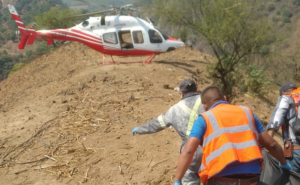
(182, 117)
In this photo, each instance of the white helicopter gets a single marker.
(113, 35)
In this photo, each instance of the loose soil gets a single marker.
(67, 120)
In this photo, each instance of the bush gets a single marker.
(42, 49)
(286, 13)
(256, 82)
(264, 51)
(286, 20)
(16, 67)
(275, 19)
(270, 6)
(278, 12)
(296, 2)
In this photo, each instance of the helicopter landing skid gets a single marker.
(148, 60)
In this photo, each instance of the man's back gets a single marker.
(180, 116)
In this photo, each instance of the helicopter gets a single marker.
(118, 35)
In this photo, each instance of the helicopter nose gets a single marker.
(174, 43)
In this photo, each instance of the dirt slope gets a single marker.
(71, 119)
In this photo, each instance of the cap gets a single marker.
(286, 86)
(188, 85)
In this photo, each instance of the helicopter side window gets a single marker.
(138, 37)
(125, 39)
(154, 36)
(85, 23)
(110, 38)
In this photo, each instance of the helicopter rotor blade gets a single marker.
(93, 13)
(96, 4)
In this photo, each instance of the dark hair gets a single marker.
(211, 94)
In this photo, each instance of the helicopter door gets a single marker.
(125, 39)
(155, 38)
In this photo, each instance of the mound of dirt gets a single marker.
(67, 120)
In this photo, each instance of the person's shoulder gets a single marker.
(286, 98)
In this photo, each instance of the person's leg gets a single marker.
(197, 182)
(191, 176)
(295, 162)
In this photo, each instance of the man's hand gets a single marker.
(287, 166)
(134, 131)
(177, 183)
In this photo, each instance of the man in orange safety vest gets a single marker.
(229, 135)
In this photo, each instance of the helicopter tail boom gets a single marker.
(28, 35)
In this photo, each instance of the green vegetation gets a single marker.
(55, 18)
(16, 67)
(8, 31)
(232, 30)
(95, 5)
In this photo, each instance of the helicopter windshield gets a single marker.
(164, 34)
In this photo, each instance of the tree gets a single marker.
(55, 18)
(233, 29)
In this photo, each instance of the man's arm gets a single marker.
(157, 124)
(186, 157)
(279, 114)
(272, 146)
(271, 132)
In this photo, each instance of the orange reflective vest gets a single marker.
(296, 96)
(231, 135)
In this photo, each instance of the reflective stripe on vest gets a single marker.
(192, 113)
(185, 108)
(220, 144)
(218, 131)
(193, 117)
(161, 121)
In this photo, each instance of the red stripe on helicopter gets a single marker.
(71, 34)
(83, 35)
(16, 17)
(62, 34)
(20, 24)
(56, 35)
(172, 39)
(80, 32)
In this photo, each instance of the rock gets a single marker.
(167, 86)
(82, 86)
(131, 98)
(53, 101)
(198, 71)
(67, 108)
(64, 101)
(69, 92)
(93, 79)
(118, 137)
(147, 84)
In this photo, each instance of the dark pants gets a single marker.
(221, 183)
(233, 181)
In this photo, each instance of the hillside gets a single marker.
(71, 119)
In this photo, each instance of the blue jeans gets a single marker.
(295, 161)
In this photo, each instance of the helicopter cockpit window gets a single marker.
(138, 37)
(85, 23)
(164, 34)
(110, 38)
(154, 37)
